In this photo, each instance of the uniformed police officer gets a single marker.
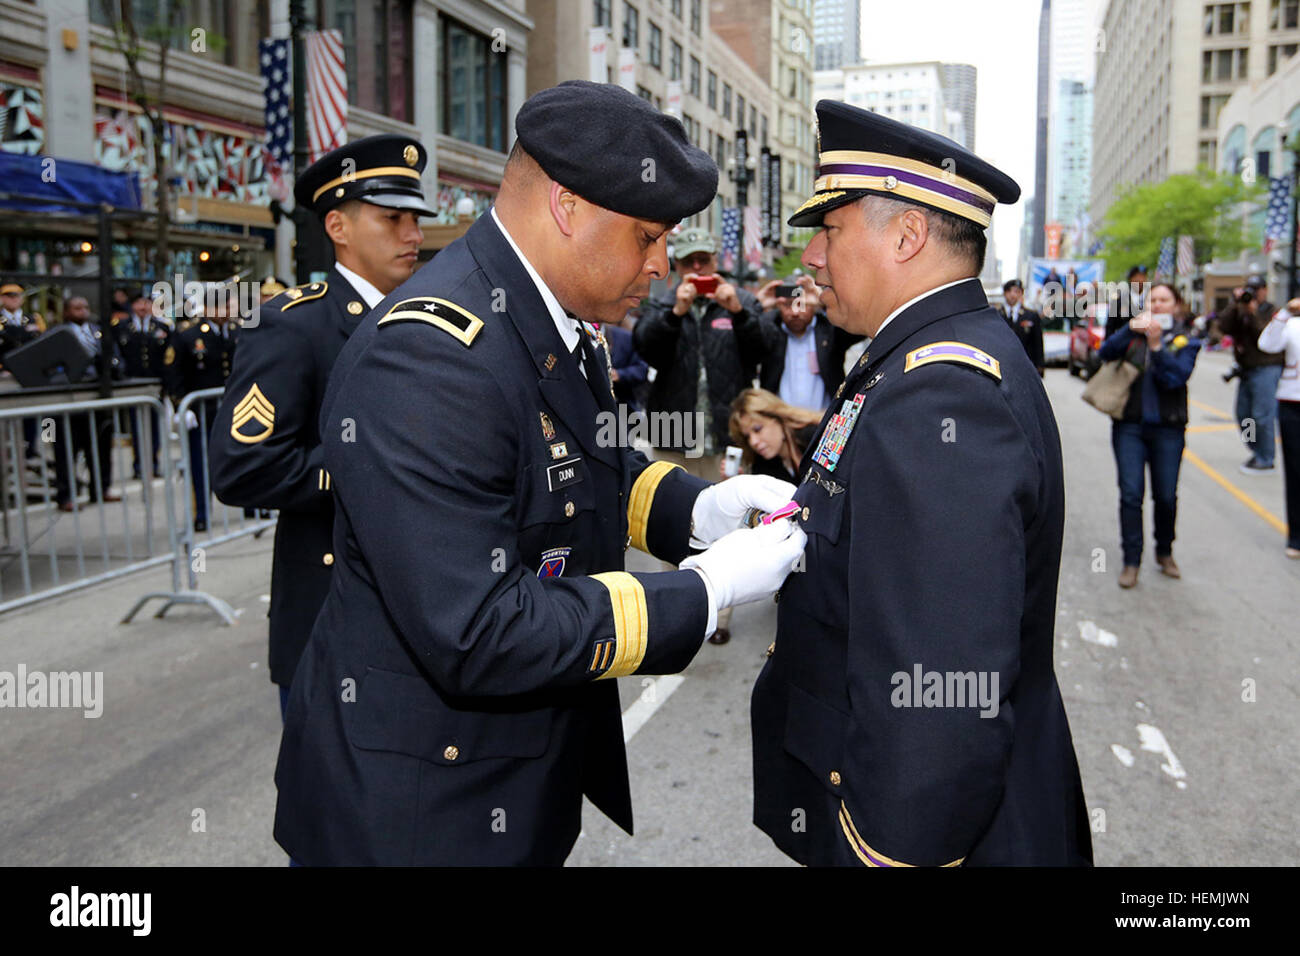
(199, 356)
(908, 713)
(450, 706)
(16, 327)
(266, 447)
(142, 339)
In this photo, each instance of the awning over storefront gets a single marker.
(47, 177)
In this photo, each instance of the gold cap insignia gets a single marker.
(411, 155)
(257, 408)
(355, 307)
(338, 193)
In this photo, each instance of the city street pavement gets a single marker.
(1182, 696)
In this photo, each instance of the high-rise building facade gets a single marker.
(837, 28)
(1074, 38)
(1163, 118)
(775, 37)
(959, 81)
(912, 93)
(1036, 212)
(666, 53)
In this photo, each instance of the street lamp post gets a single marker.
(740, 170)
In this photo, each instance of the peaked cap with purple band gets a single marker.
(862, 153)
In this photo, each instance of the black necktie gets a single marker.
(577, 356)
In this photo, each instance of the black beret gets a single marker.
(383, 170)
(862, 153)
(616, 150)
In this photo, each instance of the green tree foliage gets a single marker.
(1204, 205)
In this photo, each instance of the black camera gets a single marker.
(1246, 296)
(1232, 373)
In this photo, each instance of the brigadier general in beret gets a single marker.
(455, 701)
(908, 713)
(265, 445)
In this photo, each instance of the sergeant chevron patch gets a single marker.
(461, 324)
(954, 352)
(256, 408)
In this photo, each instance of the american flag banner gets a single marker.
(753, 236)
(277, 77)
(1186, 255)
(327, 92)
(730, 238)
(1279, 212)
(1165, 264)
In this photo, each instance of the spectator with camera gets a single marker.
(1152, 430)
(1259, 372)
(803, 355)
(704, 345)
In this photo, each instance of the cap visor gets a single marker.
(811, 212)
(399, 201)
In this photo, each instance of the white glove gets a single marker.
(721, 508)
(191, 420)
(750, 564)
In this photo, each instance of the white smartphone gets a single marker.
(731, 461)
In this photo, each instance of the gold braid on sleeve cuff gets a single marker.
(624, 654)
(641, 500)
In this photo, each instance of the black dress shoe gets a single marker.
(720, 636)
(200, 524)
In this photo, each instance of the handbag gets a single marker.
(1107, 389)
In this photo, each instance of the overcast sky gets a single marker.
(1001, 41)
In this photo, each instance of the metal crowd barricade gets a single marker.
(50, 550)
(187, 541)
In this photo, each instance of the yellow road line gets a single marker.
(1211, 409)
(1227, 426)
(1236, 492)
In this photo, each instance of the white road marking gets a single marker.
(1124, 754)
(1091, 633)
(654, 692)
(1154, 740)
(651, 699)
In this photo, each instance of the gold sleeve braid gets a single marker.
(641, 501)
(631, 623)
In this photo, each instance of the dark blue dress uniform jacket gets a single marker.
(934, 543)
(448, 708)
(266, 450)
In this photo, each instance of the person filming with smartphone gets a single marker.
(1151, 433)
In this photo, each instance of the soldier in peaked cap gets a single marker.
(265, 446)
(908, 713)
(480, 605)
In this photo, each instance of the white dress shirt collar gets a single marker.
(368, 292)
(566, 326)
(911, 302)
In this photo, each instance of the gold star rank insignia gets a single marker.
(257, 409)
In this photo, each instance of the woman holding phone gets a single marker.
(1151, 432)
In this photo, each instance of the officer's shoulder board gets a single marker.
(302, 293)
(958, 352)
(459, 323)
